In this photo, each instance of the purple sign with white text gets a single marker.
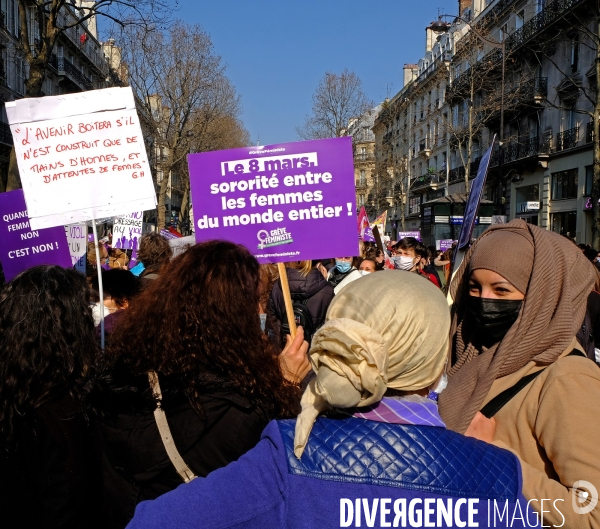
(20, 246)
(404, 234)
(285, 202)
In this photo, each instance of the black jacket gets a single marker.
(135, 464)
(313, 288)
(51, 478)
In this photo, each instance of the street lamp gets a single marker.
(501, 46)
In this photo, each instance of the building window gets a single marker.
(503, 32)
(589, 181)
(519, 19)
(361, 200)
(564, 184)
(414, 205)
(363, 178)
(565, 223)
(575, 53)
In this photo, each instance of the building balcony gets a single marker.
(425, 147)
(551, 12)
(65, 68)
(364, 157)
(361, 183)
(537, 146)
(567, 139)
(426, 182)
(5, 134)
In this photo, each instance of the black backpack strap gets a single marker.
(500, 400)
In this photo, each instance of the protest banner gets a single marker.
(365, 233)
(284, 202)
(445, 244)
(181, 244)
(22, 247)
(77, 238)
(127, 231)
(81, 156)
(404, 234)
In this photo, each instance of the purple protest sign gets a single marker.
(20, 246)
(284, 202)
(446, 244)
(404, 234)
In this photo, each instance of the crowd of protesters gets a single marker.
(204, 411)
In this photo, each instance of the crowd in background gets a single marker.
(202, 383)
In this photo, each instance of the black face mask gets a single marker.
(493, 317)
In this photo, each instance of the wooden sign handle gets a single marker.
(287, 298)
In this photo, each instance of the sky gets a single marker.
(277, 51)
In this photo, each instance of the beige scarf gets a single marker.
(388, 329)
(560, 281)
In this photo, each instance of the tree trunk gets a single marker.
(596, 185)
(161, 209)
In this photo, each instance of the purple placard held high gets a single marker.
(284, 202)
(20, 246)
(404, 234)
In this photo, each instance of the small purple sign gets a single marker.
(284, 202)
(404, 234)
(20, 246)
(446, 244)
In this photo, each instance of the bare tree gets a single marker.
(42, 22)
(336, 102)
(182, 89)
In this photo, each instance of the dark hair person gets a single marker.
(47, 473)
(520, 299)
(154, 253)
(220, 377)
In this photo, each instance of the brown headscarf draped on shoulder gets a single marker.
(553, 310)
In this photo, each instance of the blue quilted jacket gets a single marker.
(353, 473)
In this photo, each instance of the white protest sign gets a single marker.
(181, 244)
(127, 231)
(81, 156)
(77, 239)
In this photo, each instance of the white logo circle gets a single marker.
(580, 496)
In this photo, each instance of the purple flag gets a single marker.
(20, 246)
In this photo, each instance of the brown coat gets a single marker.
(553, 426)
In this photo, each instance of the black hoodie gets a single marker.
(314, 288)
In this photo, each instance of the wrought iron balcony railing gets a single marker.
(61, 65)
(567, 139)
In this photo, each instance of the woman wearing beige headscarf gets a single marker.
(382, 455)
(520, 299)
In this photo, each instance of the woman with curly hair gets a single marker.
(48, 476)
(198, 333)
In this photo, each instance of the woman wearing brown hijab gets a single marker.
(520, 298)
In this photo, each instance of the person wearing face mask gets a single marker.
(367, 266)
(413, 256)
(518, 377)
(342, 273)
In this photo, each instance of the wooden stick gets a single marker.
(287, 298)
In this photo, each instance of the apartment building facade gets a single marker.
(540, 110)
(77, 64)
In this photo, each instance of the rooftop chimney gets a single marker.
(462, 5)
(410, 73)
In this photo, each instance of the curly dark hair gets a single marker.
(155, 251)
(200, 322)
(48, 342)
